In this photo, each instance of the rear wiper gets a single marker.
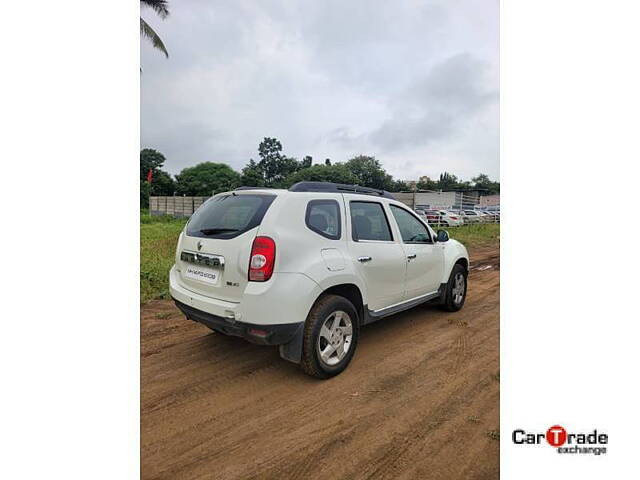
(213, 231)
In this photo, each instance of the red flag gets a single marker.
(150, 175)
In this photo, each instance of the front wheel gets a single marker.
(330, 337)
(456, 291)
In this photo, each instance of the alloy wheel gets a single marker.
(335, 338)
(458, 288)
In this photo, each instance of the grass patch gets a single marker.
(159, 236)
(146, 218)
(472, 235)
(494, 434)
(158, 241)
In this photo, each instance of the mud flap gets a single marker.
(442, 294)
(292, 351)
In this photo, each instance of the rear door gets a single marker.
(425, 258)
(213, 254)
(376, 255)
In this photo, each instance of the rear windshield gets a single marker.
(228, 216)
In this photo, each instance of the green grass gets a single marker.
(474, 235)
(146, 218)
(158, 239)
(159, 236)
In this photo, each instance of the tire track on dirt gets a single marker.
(215, 407)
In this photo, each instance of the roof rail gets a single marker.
(337, 188)
(252, 188)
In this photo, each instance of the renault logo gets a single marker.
(199, 244)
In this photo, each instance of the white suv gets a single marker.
(305, 268)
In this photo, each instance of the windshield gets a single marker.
(228, 216)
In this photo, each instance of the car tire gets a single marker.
(454, 298)
(323, 334)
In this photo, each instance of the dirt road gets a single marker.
(419, 400)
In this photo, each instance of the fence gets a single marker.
(175, 206)
(441, 208)
(452, 208)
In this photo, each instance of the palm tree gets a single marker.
(161, 8)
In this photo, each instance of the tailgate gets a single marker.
(213, 251)
(216, 268)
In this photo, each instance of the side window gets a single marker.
(323, 217)
(411, 229)
(369, 222)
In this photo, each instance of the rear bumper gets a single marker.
(286, 298)
(260, 334)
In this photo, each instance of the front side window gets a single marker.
(228, 216)
(369, 222)
(323, 217)
(412, 230)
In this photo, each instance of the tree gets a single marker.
(161, 182)
(483, 181)
(252, 175)
(150, 159)
(276, 166)
(161, 8)
(369, 172)
(306, 162)
(145, 191)
(399, 186)
(447, 181)
(206, 179)
(337, 173)
(425, 183)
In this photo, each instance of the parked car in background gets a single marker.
(433, 216)
(473, 216)
(443, 218)
(422, 214)
(450, 219)
(491, 217)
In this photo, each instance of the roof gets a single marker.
(329, 187)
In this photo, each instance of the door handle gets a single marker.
(364, 259)
(412, 256)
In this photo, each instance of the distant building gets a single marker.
(449, 200)
(490, 200)
(411, 184)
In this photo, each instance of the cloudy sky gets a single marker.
(414, 83)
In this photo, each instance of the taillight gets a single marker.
(262, 260)
(454, 218)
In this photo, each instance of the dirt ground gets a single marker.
(419, 400)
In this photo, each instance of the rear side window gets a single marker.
(323, 217)
(412, 230)
(369, 222)
(229, 216)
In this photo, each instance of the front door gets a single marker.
(377, 256)
(425, 258)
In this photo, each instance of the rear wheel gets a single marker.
(456, 291)
(330, 337)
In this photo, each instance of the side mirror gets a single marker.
(442, 236)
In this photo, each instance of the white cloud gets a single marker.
(414, 83)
